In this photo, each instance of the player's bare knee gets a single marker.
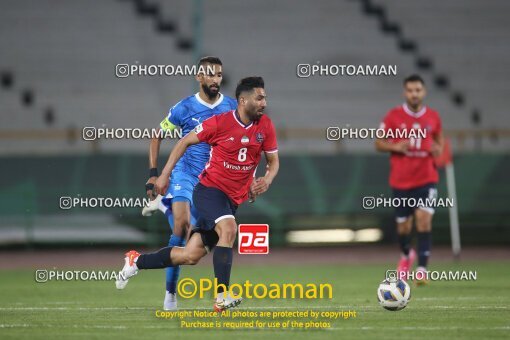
(423, 226)
(423, 221)
(191, 258)
(227, 237)
(227, 231)
(405, 226)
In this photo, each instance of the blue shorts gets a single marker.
(424, 192)
(212, 206)
(181, 190)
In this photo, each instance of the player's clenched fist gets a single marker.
(149, 187)
(161, 185)
(436, 149)
(401, 146)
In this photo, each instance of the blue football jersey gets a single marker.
(187, 114)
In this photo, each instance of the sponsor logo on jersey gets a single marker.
(229, 166)
(199, 128)
(245, 140)
(259, 137)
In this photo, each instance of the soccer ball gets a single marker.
(393, 294)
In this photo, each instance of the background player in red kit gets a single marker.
(412, 170)
(237, 139)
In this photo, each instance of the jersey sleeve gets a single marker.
(207, 130)
(387, 122)
(270, 144)
(174, 117)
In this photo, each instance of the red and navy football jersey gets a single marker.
(235, 152)
(416, 167)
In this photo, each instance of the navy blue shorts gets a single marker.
(424, 192)
(212, 206)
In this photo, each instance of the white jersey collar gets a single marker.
(238, 119)
(206, 104)
(414, 114)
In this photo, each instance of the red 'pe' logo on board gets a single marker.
(253, 239)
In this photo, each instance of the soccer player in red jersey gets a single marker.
(237, 139)
(412, 170)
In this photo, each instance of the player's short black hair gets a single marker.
(210, 60)
(413, 78)
(248, 84)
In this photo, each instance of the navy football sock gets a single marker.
(222, 261)
(172, 273)
(404, 240)
(424, 242)
(159, 259)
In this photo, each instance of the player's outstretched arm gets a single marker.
(261, 184)
(177, 152)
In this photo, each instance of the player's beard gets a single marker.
(414, 103)
(253, 114)
(211, 94)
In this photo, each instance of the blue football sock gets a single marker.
(170, 218)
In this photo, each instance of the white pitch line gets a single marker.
(14, 325)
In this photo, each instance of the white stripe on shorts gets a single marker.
(223, 217)
(427, 209)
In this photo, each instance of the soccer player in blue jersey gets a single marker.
(178, 203)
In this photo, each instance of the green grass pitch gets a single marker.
(88, 310)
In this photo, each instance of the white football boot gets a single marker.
(170, 302)
(130, 269)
